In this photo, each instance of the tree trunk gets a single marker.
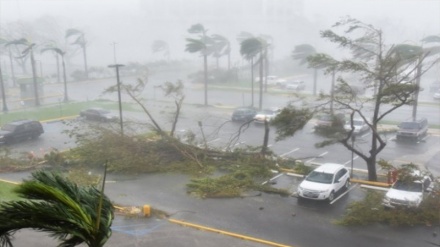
(416, 93)
(260, 105)
(34, 77)
(205, 70)
(266, 137)
(315, 80)
(86, 70)
(58, 67)
(14, 80)
(2, 88)
(66, 97)
(252, 82)
(371, 165)
(332, 92)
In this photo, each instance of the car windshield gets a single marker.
(320, 177)
(8, 127)
(408, 186)
(409, 125)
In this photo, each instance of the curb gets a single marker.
(231, 234)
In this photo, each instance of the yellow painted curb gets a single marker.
(9, 182)
(209, 229)
(380, 184)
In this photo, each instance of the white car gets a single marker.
(266, 114)
(359, 124)
(295, 85)
(324, 182)
(272, 80)
(436, 94)
(408, 194)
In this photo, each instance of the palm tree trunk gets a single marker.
(58, 67)
(205, 68)
(315, 80)
(332, 92)
(252, 82)
(66, 97)
(86, 71)
(2, 88)
(416, 93)
(14, 80)
(260, 105)
(34, 77)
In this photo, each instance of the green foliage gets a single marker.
(290, 120)
(7, 192)
(370, 211)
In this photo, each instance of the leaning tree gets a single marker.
(379, 66)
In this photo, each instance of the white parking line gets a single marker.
(354, 158)
(319, 156)
(291, 151)
(277, 176)
(343, 194)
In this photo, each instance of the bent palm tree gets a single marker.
(81, 42)
(71, 214)
(161, 46)
(249, 48)
(60, 53)
(202, 45)
(29, 51)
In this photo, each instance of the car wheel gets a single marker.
(331, 197)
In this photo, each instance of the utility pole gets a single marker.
(116, 66)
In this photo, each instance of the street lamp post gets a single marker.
(116, 66)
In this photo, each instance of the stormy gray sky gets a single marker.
(135, 24)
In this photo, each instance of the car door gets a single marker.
(339, 179)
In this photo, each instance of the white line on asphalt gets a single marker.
(291, 151)
(343, 194)
(355, 158)
(277, 176)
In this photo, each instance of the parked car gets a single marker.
(328, 121)
(244, 114)
(324, 182)
(295, 85)
(434, 87)
(412, 130)
(266, 114)
(272, 80)
(20, 130)
(436, 94)
(98, 114)
(359, 124)
(408, 193)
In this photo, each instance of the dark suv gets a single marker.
(20, 130)
(244, 114)
(412, 130)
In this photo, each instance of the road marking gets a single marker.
(354, 158)
(291, 151)
(319, 156)
(343, 194)
(277, 176)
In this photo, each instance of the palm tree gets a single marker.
(301, 53)
(252, 47)
(81, 42)
(60, 53)
(161, 46)
(221, 46)
(29, 51)
(250, 57)
(68, 212)
(203, 45)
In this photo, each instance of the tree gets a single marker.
(29, 51)
(375, 62)
(301, 53)
(82, 43)
(202, 45)
(248, 56)
(221, 47)
(161, 46)
(60, 53)
(255, 47)
(55, 205)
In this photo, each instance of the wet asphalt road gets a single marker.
(264, 216)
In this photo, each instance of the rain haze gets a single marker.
(134, 24)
